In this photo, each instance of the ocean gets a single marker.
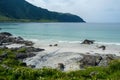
(107, 33)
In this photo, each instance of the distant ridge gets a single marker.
(20, 10)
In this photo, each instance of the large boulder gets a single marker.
(97, 60)
(21, 56)
(61, 66)
(86, 41)
(5, 34)
(90, 60)
(7, 38)
(102, 47)
(106, 59)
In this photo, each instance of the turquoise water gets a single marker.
(101, 32)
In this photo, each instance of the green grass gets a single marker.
(18, 72)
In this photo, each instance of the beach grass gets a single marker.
(11, 69)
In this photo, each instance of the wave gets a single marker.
(108, 43)
(71, 42)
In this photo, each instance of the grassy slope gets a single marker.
(6, 19)
(18, 72)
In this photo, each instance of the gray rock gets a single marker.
(24, 55)
(106, 59)
(21, 56)
(50, 45)
(55, 44)
(61, 66)
(7, 38)
(86, 41)
(102, 47)
(90, 60)
(6, 34)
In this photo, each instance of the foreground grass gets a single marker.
(14, 71)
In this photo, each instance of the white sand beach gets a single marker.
(67, 53)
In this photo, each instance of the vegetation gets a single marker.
(11, 69)
(20, 10)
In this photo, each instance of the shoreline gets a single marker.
(77, 47)
(71, 56)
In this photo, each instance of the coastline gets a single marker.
(61, 55)
(68, 53)
(76, 46)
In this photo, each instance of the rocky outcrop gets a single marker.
(25, 52)
(90, 60)
(102, 47)
(26, 49)
(97, 60)
(5, 34)
(24, 55)
(22, 52)
(86, 41)
(7, 38)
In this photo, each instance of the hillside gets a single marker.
(20, 10)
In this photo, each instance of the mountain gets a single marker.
(20, 10)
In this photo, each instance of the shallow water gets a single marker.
(65, 32)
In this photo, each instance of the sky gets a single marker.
(99, 11)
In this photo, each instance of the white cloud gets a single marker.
(89, 10)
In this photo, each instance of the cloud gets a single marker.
(89, 10)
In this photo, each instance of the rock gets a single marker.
(55, 44)
(106, 59)
(31, 66)
(111, 56)
(30, 54)
(23, 64)
(61, 66)
(102, 47)
(90, 60)
(7, 38)
(28, 49)
(50, 45)
(6, 34)
(32, 49)
(28, 43)
(14, 49)
(86, 41)
(21, 56)
(24, 55)
(19, 38)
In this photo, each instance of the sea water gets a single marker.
(108, 33)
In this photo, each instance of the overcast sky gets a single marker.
(89, 10)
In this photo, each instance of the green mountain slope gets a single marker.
(13, 10)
